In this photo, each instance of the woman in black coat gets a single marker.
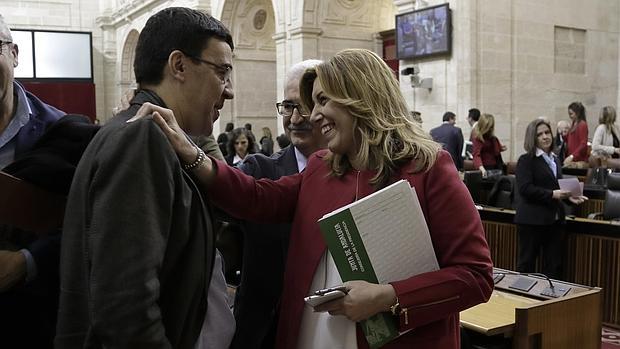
(540, 212)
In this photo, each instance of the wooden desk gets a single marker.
(497, 316)
(592, 254)
(535, 320)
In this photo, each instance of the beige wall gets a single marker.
(503, 62)
(503, 57)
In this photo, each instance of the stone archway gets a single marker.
(252, 24)
(128, 77)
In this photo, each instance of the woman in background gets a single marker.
(540, 212)
(356, 102)
(577, 138)
(486, 147)
(606, 140)
(266, 142)
(239, 146)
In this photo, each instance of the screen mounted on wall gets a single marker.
(423, 33)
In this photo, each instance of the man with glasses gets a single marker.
(23, 117)
(139, 268)
(265, 245)
(24, 296)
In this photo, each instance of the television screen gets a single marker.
(424, 32)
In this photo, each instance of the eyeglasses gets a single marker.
(2, 43)
(287, 109)
(224, 71)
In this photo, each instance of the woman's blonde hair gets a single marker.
(608, 117)
(267, 132)
(485, 128)
(387, 138)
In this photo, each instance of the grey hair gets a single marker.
(5, 32)
(298, 69)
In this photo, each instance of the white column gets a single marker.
(282, 66)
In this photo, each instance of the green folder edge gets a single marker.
(380, 328)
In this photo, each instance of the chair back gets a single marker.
(473, 182)
(502, 193)
(611, 207)
(27, 207)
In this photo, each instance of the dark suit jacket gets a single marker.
(31, 309)
(535, 186)
(137, 246)
(451, 138)
(264, 256)
(42, 116)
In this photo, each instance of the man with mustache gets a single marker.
(265, 245)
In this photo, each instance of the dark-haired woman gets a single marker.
(240, 145)
(540, 212)
(577, 138)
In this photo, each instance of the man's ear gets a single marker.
(177, 65)
(15, 52)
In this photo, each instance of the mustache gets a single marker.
(304, 126)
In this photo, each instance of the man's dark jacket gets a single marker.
(264, 257)
(451, 138)
(42, 116)
(137, 246)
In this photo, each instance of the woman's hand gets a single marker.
(503, 148)
(362, 301)
(559, 194)
(577, 200)
(483, 171)
(568, 160)
(164, 118)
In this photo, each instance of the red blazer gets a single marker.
(577, 142)
(486, 153)
(433, 300)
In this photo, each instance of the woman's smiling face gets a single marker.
(334, 121)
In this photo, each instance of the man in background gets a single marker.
(450, 137)
(28, 289)
(265, 245)
(472, 119)
(560, 140)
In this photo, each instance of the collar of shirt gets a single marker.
(540, 152)
(548, 159)
(302, 160)
(21, 117)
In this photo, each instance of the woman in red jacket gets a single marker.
(487, 148)
(357, 104)
(577, 138)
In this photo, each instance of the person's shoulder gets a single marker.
(258, 158)
(525, 159)
(41, 109)
(317, 160)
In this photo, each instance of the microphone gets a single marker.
(540, 275)
(523, 285)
